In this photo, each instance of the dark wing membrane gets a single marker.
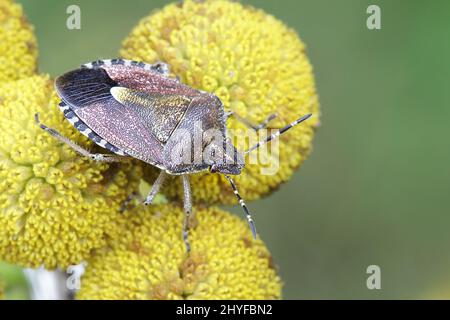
(160, 113)
(82, 87)
(88, 94)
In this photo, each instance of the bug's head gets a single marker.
(225, 159)
(226, 168)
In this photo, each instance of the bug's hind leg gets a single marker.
(251, 124)
(155, 187)
(76, 147)
(187, 211)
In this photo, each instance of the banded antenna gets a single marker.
(251, 223)
(278, 133)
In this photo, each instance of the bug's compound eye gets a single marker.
(213, 169)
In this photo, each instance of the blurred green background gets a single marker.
(376, 188)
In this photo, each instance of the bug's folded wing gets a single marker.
(88, 93)
(160, 113)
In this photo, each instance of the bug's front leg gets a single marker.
(155, 187)
(76, 147)
(187, 211)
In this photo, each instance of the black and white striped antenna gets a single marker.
(251, 223)
(278, 133)
(256, 146)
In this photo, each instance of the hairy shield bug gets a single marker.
(134, 109)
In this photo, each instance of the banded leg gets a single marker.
(250, 123)
(250, 221)
(155, 187)
(187, 211)
(76, 147)
(278, 133)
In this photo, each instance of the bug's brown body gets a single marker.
(134, 109)
(140, 111)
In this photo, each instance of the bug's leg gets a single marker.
(228, 114)
(76, 147)
(187, 211)
(250, 221)
(155, 187)
(251, 124)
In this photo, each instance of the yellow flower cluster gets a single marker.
(147, 260)
(18, 47)
(257, 67)
(55, 206)
(58, 208)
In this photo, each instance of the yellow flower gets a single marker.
(148, 259)
(257, 67)
(18, 47)
(55, 205)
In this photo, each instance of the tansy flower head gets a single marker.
(148, 259)
(18, 48)
(257, 67)
(55, 205)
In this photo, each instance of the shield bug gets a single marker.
(134, 109)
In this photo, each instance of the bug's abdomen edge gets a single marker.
(86, 131)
